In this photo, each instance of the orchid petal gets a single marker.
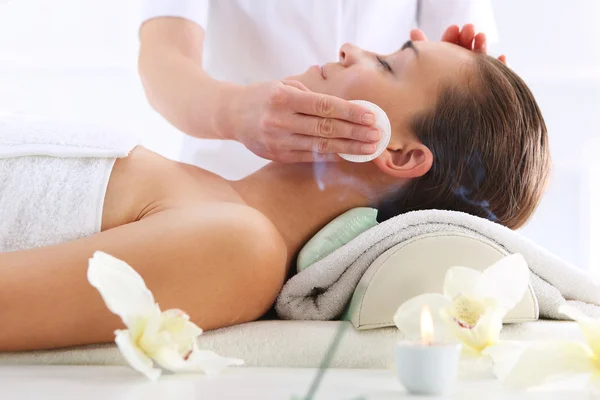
(121, 287)
(504, 356)
(170, 329)
(197, 360)
(210, 362)
(509, 279)
(467, 310)
(134, 356)
(182, 332)
(169, 358)
(590, 327)
(465, 281)
(475, 365)
(546, 361)
(487, 330)
(485, 333)
(178, 322)
(152, 337)
(595, 383)
(408, 315)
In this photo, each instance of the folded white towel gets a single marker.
(291, 344)
(53, 179)
(335, 277)
(30, 135)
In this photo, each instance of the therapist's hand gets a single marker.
(286, 122)
(464, 37)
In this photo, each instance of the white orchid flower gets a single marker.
(167, 338)
(472, 306)
(552, 360)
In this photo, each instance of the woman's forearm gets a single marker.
(170, 67)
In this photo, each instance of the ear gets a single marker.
(411, 160)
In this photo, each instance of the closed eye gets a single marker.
(384, 64)
(410, 45)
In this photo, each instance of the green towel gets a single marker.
(336, 234)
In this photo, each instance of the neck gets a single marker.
(300, 199)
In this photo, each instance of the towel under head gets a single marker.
(336, 276)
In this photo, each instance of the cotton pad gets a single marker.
(382, 123)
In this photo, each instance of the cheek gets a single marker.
(355, 84)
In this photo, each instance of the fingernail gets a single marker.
(368, 119)
(374, 135)
(368, 149)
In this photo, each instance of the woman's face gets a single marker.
(402, 84)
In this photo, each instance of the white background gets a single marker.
(78, 57)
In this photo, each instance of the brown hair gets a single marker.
(490, 150)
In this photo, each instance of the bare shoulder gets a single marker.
(233, 236)
(251, 227)
(202, 204)
(223, 230)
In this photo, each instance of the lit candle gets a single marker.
(427, 367)
(426, 327)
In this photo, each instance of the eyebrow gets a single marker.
(410, 45)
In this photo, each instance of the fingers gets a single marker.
(417, 35)
(330, 128)
(451, 34)
(328, 146)
(296, 84)
(308, 157)
(331, 107)
(466, 36)
(480, 43)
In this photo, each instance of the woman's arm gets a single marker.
(221, 263)
(272, 119)
(170, 67)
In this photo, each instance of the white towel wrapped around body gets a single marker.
(53, 178)
(322, 291)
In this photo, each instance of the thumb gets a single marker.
(417, 35)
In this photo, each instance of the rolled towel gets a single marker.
(322, 291)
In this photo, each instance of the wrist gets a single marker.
(228, 110)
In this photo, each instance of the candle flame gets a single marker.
(426, 326)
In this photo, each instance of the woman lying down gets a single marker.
(467, 135)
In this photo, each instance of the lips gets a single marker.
(318, 69)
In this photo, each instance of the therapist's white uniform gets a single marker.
(248, 41)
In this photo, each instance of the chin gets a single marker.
(312, 79)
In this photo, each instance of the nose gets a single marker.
(349, 54)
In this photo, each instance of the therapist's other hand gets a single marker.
(464, 37)
(285, 122)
